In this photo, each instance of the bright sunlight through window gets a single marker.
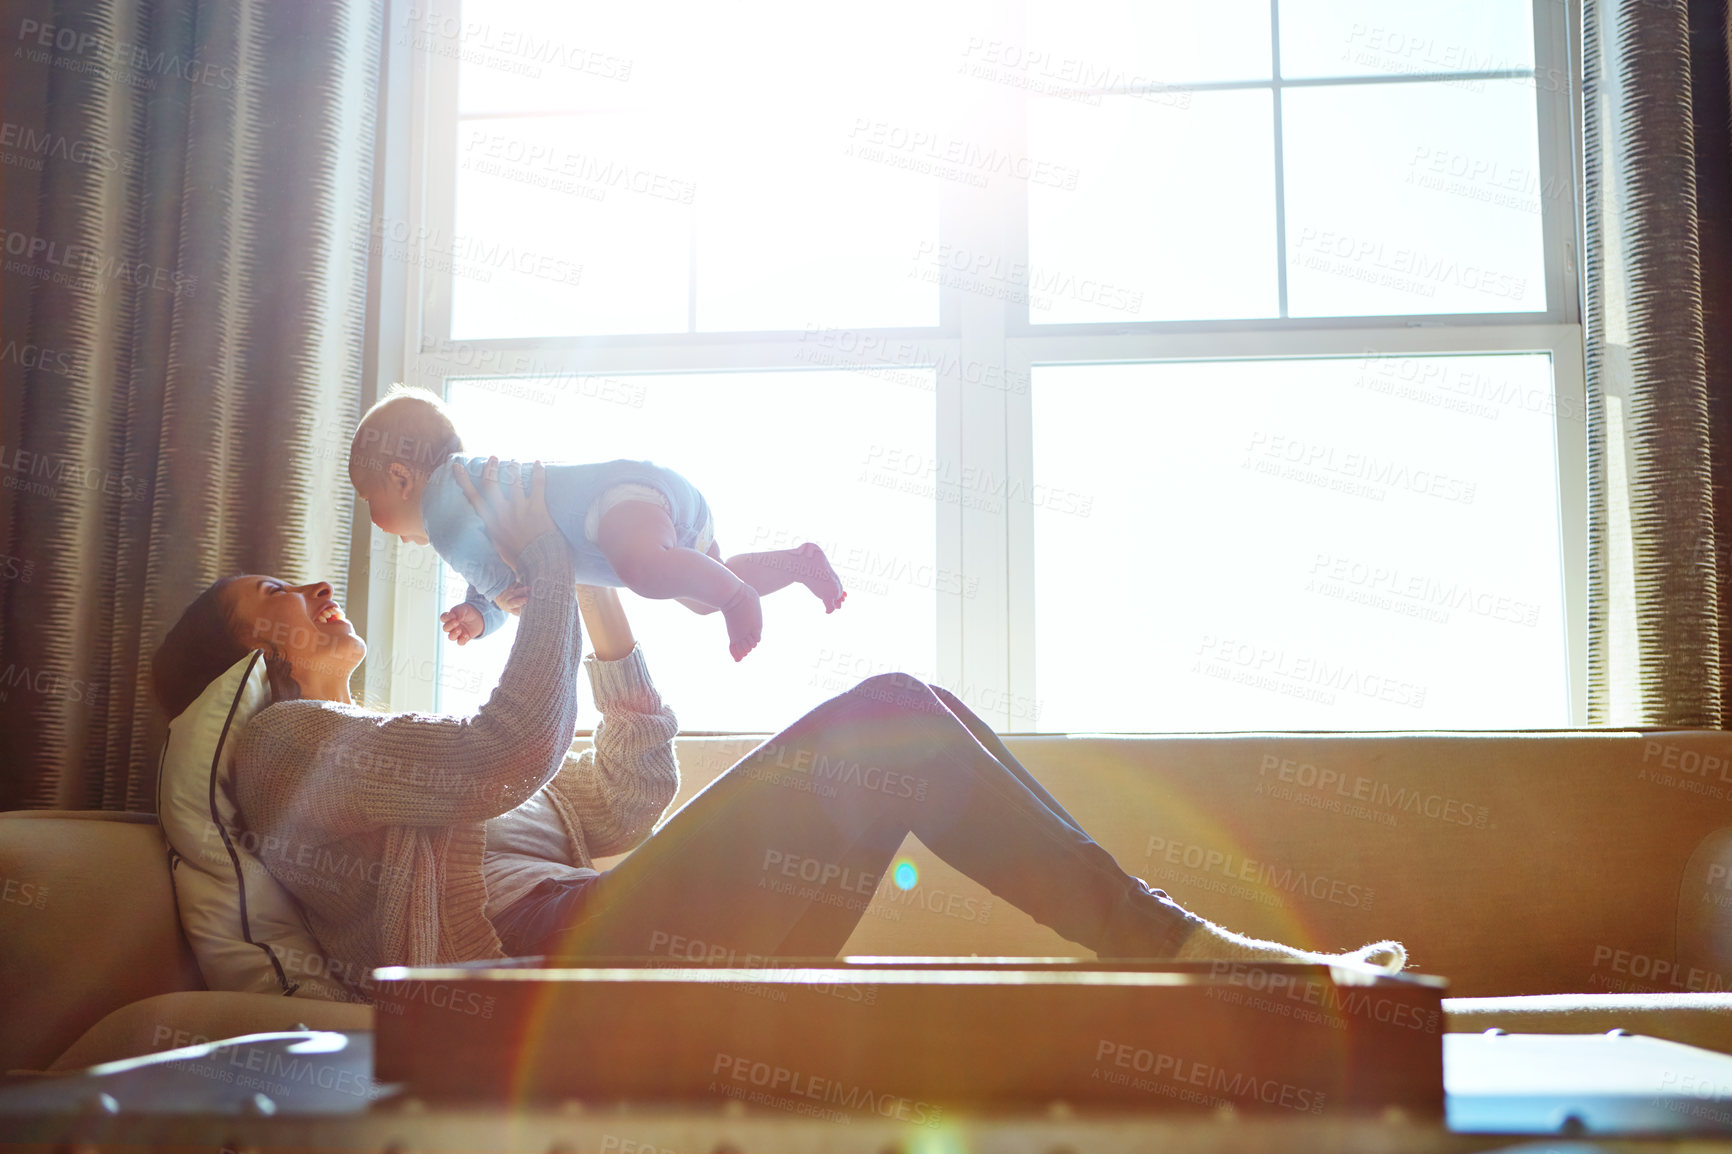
(1140, 366)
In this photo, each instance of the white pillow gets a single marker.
(245, 928)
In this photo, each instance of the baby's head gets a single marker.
(398, 444)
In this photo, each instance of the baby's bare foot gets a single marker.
(812, 569)
(745, 617)
(806, 565)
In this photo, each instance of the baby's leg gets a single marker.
(700, 607)
(639, 541)
(768, 572)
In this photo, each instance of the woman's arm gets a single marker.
(352, 771)
(611, 794)
(609, 631)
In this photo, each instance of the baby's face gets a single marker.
(395, 523)
(397, 513)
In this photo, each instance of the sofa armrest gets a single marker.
(87, 925)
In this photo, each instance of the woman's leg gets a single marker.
(781, 854)
(983, 734)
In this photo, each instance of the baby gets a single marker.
(630, 523)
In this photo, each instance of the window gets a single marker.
(1141, 367)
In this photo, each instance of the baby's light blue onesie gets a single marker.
(573, 491)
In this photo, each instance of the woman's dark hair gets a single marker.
(200, 648)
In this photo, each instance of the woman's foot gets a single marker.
(1210, 942)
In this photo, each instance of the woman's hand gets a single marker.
(513, 518)
(604, 617)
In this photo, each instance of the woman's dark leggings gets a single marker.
(779, 855)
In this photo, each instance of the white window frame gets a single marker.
(985, 641)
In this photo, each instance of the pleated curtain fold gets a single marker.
(1655, 139)
(187, 192)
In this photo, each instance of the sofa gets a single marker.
(1563, 881)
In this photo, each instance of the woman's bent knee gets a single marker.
(898, 689)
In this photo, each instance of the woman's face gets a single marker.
(301, 623)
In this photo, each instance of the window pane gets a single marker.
(1171, 217)
(571, 226)
(1099, 44)
(518, 56)
(1317, 544)
(817, 234)
(788, 157)
(782, 458)
(1413, 198)
(1395, 37)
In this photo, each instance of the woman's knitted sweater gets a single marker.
(379, 817)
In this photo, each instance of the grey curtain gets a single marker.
(1656, 154)
(186, 203)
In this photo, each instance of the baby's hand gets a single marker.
(513, 599)
(462, 623)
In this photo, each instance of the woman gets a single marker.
(475, 835)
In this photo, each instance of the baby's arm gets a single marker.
(456, 532)
(474, 616)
